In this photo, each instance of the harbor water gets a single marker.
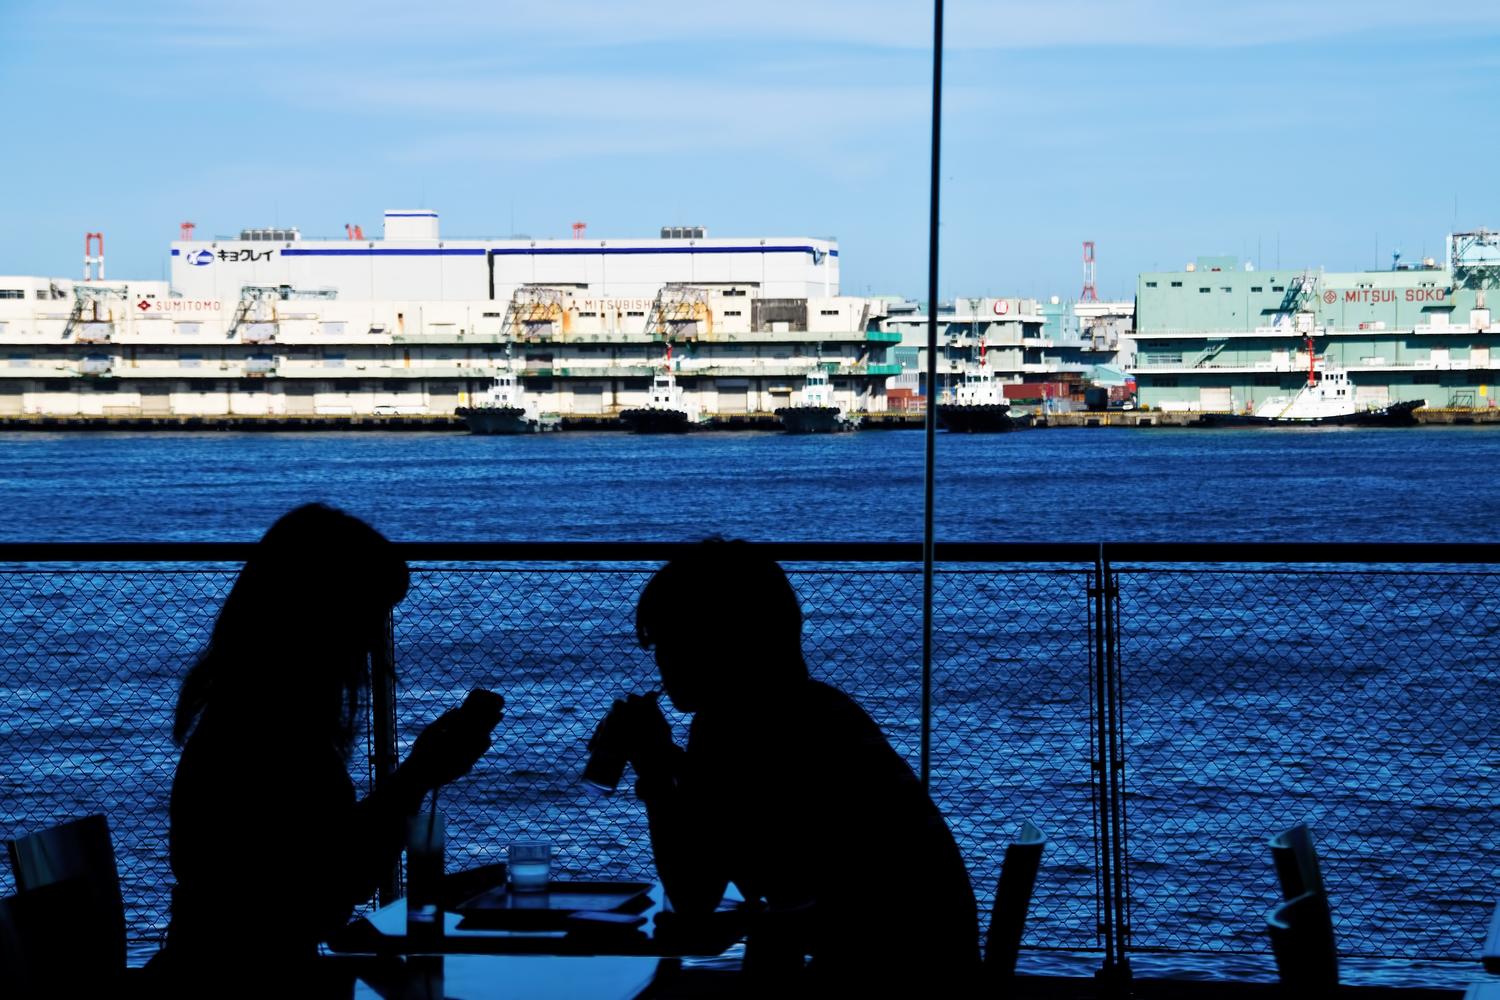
(1011, 724)
(1073, 484)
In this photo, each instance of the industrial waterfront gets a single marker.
(688, 331)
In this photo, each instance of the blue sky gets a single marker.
(1161, 130)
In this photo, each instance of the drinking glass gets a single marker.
(424, 874)
(530, 865)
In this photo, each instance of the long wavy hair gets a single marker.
(290, 647)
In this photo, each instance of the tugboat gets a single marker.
(502, 408)
(666, 412)
(1325, 399)
(979, 406)
(814, 410)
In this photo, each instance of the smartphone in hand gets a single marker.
(485, 708)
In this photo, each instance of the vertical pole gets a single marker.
(1115, 711)
(383, 735)
(1101, 765)
(931, 421)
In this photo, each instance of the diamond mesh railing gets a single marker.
(1359, 701)
(1252, 696)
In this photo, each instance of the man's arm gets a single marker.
(689, 852)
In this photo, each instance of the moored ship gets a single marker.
(665, 412)
(1327, 398)
(503, 408)
(814, 410)
(979, 406)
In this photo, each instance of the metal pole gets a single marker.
(383, 735)
(1118, 820)
(931, 421)
(1101, 764)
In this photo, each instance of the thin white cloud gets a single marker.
(347, 25)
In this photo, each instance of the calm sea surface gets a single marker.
(1064, 484)
(1360, 703)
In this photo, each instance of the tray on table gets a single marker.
(501, 909)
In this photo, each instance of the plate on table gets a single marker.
(501, 909)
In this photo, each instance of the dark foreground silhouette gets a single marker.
(269, 846)
(787, 788)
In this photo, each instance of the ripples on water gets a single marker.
(1419, 484)
(1066, 484)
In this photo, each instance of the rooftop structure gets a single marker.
(413, 261)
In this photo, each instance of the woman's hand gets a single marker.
(455, 740)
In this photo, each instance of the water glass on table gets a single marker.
(530, 865)
(424, 874)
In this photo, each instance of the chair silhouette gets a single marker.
(50, 942)
(1492, 943)
(1296, 862)
(78, 852)
(1301, 927)
(1012, 900)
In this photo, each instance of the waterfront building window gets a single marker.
(1203, 290)
(1257, 288)
(1176, 284)
(12, 293)
(733, 312)
(1226, 288)
(1278, 288)
(829, 312)
(1150, 284)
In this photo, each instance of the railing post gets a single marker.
(1099, 699)
(1114, 774)
(383, 735)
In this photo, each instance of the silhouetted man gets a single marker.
(787, 788)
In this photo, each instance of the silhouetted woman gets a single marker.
(786, 787)
(268, 845)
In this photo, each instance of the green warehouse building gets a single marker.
(1219, 336)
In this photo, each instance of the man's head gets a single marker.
(725, 625)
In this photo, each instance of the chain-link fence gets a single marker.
(92, 657)
(1361, 702)
(1252, 698)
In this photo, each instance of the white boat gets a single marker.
(1327, 397)
(814, 410)
(978, 404)
(666, 412)
(502, 408)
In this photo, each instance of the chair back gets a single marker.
(1301, 933)
(1492, 943)
(51, 942)
(1296, 862)
(1012, 900)
(80, 851)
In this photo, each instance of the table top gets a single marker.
(480, 977)
(383, 932)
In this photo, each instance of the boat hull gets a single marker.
(976, 419)
(652, 421)
(815, 420)
(1395, 415)
(504, 420)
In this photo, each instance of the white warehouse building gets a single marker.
(270, 324)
